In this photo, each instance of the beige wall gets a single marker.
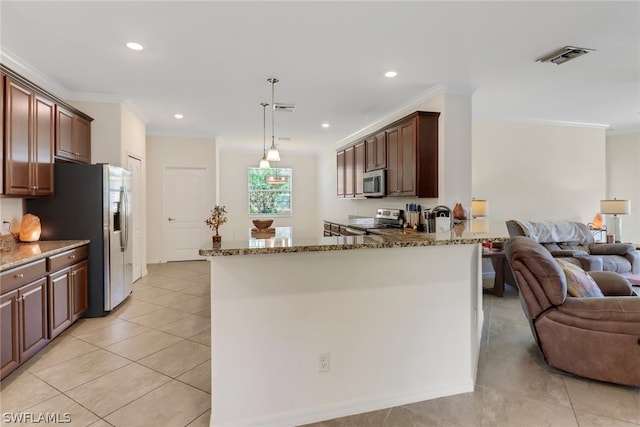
(623, 180)
(234, 193)
(539, 171)
(165, 151)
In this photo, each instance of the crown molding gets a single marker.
(408, 108)
(26, 70)
(534, 120)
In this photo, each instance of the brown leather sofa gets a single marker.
(582, 249)
(597, 338)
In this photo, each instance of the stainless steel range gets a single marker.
(385, 218)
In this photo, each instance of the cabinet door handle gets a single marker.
(19, 276)
(72, 257)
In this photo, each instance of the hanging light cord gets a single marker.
(264, 129)
(273, 82)
(273, 112)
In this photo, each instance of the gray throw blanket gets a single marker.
(552, 231)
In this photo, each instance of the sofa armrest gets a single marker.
(634, 259)
(611, 248)
(612, 284)
(620, 309)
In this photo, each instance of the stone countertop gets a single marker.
(17, 254)
(380, 238)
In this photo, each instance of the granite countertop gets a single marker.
(380, 238)
(17, 254)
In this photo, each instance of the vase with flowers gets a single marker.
(216, 219)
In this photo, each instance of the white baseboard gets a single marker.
(345, 409)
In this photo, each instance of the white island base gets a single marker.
(400, 325)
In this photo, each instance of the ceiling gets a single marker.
(210, 61)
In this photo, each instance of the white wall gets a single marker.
(623, 180)
(165, 151)
(397, 332)
(539, 171)
(234, 193)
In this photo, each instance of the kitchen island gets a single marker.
(305, 330)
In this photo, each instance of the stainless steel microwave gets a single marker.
(374, 183)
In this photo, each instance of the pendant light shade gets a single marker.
(264, 163)
(273, 155)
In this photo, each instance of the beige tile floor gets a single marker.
(148, 364)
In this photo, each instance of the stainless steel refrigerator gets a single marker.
(93, 202)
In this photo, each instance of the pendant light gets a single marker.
(273, 155)
(276, 179)
(264, 163)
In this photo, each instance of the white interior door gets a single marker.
(135, 166)
(185, 209)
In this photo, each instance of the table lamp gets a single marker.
(616, 207)
(479, 208)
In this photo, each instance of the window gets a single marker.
(269, 199)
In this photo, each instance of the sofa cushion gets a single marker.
(616, 263)
(570, 232)
(579, 283)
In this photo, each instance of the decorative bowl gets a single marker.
(262, 224)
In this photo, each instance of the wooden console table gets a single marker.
(498, 258)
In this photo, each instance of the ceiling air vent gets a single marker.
(284, 107)
(565, 54)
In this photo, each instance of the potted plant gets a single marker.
(216, 219)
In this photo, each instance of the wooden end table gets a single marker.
(498, 258)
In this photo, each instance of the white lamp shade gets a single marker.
(264, 163)
(615, 207)
(273, 155)
(479, 208)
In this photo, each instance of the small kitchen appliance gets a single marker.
(374, 183)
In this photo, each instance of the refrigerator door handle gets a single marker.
(127, 212)
(122, 207)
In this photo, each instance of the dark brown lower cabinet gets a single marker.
(24, 324)
(9, 333)
(34, 313)
(68, 299)
(59, 302)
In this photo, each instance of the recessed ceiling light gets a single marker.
(325, 125)
(178, 116)
(390, 74)
(134, 46)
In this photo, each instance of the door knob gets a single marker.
(171, 219)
